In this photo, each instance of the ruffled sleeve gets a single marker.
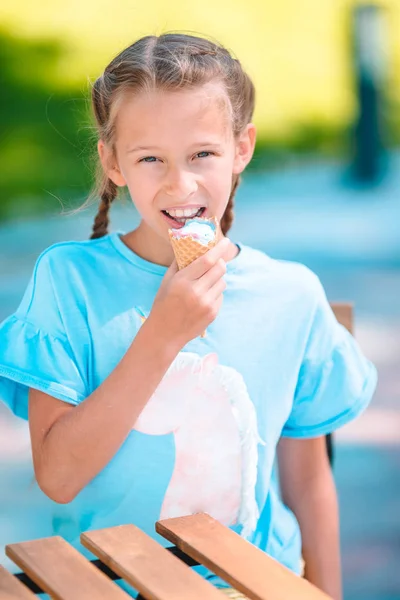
(35, 350)
(336, 381)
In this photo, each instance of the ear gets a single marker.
(109, 164)
(244, 148)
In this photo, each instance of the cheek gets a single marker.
(142, 188)
(221, 184)
(220, 175)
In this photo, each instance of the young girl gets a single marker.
(134, 416)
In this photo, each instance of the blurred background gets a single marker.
(323, 188)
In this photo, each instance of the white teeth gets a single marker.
(186, 212)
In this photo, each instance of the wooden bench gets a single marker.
(53, 566)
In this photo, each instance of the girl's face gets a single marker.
(176, 153)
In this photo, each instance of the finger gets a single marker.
(204, 263)
(217, 303)
(212, 276)
(171, 271)
(215, 293)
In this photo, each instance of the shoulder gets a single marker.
(63, 253)
(283, 275)
(61, 271)
(72, 261)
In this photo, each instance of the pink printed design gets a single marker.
(207, 408)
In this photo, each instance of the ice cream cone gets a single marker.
(186, 250)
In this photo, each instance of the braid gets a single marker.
(228, 216)
(101, 221)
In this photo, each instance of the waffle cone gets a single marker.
(187, 249)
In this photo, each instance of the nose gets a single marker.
(180, 183)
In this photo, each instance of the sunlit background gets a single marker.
(323, 189)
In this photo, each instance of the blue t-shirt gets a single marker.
(274, 363)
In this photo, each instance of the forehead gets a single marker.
(163, 118)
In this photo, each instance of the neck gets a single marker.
(149, 245)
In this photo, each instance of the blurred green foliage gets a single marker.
(48, 139)
(45, 132)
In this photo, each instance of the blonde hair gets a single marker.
(168, 62)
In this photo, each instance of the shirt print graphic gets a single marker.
(207, 408)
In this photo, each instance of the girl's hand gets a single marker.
(190, 299)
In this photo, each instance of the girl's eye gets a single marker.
(148, 158)
(145, 159)
(204, 152)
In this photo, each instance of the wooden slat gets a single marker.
(146, 565)
(243, 565)
(11, 588)
(344, 314)
(61, 571)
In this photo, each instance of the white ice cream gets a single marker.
(199, 229)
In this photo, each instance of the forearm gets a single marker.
(316, 509)
(83, 440)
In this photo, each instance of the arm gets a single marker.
(71, 445)
(308, 489)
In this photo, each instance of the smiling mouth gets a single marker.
(182, 220)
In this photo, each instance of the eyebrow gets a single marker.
(199, 145)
